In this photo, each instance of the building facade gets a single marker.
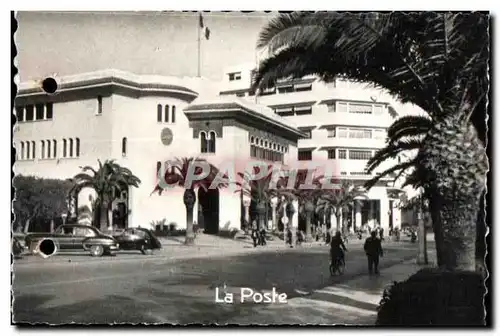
(345, 124)
(140, 122)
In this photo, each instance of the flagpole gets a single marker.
(199, 45)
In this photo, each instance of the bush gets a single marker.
(172, 226)
(434, 297)
(177, 233)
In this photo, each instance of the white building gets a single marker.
(118, 115)
(345, 124)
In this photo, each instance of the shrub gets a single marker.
(434, 297)
(177, 233)
(172, 226)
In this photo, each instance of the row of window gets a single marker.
(266, 154)
(358, 108)
(268, 144)
(352, 154)
(34, 112)
(234, 76)
(341, 154)
(165, 113)
(207, 142)
(356, 133)
(48, 149)
(356, 173)
(293, 110)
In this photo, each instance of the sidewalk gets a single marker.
(353, 302)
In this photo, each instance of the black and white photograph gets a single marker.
(251, 168)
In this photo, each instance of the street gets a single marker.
(177, 285)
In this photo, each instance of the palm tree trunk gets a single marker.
(261, 212)
(103, 214)
(189, 201)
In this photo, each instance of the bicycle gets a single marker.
(338, 266)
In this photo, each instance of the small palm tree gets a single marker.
(177, 173)
(437, 61)
(106, 180)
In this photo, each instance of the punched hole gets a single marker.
(47, 248)
(49, 85)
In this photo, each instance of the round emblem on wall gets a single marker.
(166, 136)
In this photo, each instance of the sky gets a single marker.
(140, 42)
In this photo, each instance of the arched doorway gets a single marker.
(208, 210)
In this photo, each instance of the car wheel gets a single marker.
(145, 250)
(96, 250)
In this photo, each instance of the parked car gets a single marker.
(138, 239)
(75, 237)
(18, 245)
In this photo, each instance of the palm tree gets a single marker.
(338, 200)
(437, 61)
(306, 197)
(260, 190)
(106, 180)
(179, 173)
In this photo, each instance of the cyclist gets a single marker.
(337, 248)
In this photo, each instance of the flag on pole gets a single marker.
(205, 29)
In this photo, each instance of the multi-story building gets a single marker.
(345, 124)
(141, 121)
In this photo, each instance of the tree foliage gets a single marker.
(39, 198)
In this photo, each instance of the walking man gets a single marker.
(373, 250)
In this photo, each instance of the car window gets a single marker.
(65, 230)
(135, 232)
(84, 232)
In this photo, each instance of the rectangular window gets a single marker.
(341, 107)
(285, 89)
(49, 110)
(20, 113)
(302, 87)
(305, 155)
(343, 173)
(331, 154)
(39, 112)
(240, 94)
(29, 112)
(342, 132)
(331, 133)
(358, 133)
(234, 76)
(99, 105)
(54, 142)
(33, 150)
(173, 114)
(331, 108)
(158, 167)
(302, 110)
(378, 109)
(42, 150)
(360, 108)
(342, 154)
(360, 155)
(167, 112)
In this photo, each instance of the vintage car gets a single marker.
(75, 237)
(138, 239)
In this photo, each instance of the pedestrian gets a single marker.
(255, 234)
(328, 237)
(373, 250)
(289, 236)
(263, 237)
(381, 234)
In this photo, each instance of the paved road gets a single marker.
(133, 288)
